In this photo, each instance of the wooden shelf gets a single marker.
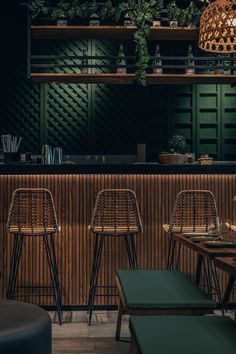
(115, 32)
(164, 79)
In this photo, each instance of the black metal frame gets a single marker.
(48, 240)
(205, 265)
(98, 247)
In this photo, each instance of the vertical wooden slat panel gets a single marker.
(74, 199)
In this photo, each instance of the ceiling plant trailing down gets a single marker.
(140, 11)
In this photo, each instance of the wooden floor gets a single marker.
(89, 346)
(75, 336)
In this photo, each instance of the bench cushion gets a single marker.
(184, 334)
(161, 289)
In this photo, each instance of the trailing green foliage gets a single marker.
(143, 14)
(185, 17)
(38, 8)
(140, 11)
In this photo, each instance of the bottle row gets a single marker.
(171, 16)
(156, 64)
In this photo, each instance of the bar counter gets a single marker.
(74, 188)
(130, 168)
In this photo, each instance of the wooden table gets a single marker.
(228, 264)
(204, 253)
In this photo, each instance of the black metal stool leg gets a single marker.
(53, 274)
(55, 269)
(133, 251)
(129, 252)
(15, 259)
(95, 268)
(12, 265)
(97, 237)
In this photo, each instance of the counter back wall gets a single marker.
(86, 119)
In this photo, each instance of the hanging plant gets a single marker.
(192, 15)
(173, 11)
(108, 10)
(61, 10)
(38, 8)
(142, 14)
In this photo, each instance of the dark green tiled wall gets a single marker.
(113, 119)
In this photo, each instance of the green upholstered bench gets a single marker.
(182, 335)
(159, 292)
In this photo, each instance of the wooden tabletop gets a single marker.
(203, 250)
(228, 264)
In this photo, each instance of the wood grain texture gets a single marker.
(74, 197)
(114, 32)
(89, 346)
(129, 79)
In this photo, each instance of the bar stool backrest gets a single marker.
(194, 211)
(32, 212)
(116, 212)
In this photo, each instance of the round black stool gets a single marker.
(24, 329)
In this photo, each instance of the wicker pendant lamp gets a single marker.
(217, 32)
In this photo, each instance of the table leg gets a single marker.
(198, 269)
(228, 290)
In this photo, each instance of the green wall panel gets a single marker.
(114, 118)
(228, 123)
(20, 107)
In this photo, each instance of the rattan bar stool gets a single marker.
(32, 214)
(195, 211)
(116, 214)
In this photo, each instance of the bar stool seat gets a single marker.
(28, 230)
(119, 230)
(24, 329)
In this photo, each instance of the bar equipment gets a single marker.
(11, 146)
(47, 154)
(57, 155)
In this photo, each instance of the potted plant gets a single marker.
(173, 13)
(191, 15)
(38, 9)
(60, 13)
(176, 151)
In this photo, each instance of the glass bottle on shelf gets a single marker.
(157, 61)
(84, 61)
(121, 61)
(157, 20)
(190, 62)
(94, 20)
(219, 70)
(127, 20)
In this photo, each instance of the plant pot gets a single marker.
(174, 23)
(172, 159)
(62, 21)
(193, 26)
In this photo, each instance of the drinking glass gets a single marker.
(57, 156)
(222, 229)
